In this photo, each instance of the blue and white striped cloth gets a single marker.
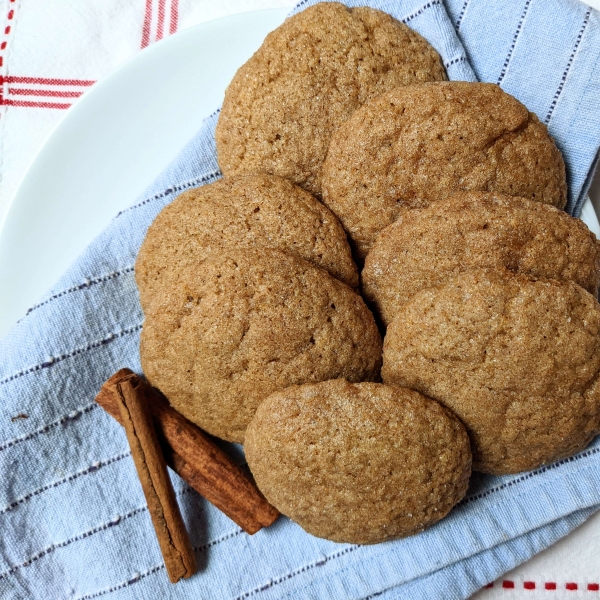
(73, 519)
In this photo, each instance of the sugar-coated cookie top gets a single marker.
(308, 77)
(426, 247)
(516, 359)
(417, 144)
(247, 323)
(359, 463)
(248, 211)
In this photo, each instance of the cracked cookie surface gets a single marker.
(417, 144)
(427, 247)
(247, 323)
(306, 79)
(516, 359)
(359, 463)
(247, 211)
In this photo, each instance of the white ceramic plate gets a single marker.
(111, 146)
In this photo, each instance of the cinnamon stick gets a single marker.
(152, 470)
(198, 460)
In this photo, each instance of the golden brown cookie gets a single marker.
(246, 211)
(247, 323)
(426, 247)
(516, 359)
(360, 463)
(307, 78)
(421, 143)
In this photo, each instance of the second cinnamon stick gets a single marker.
(152, 471)
(198, 460)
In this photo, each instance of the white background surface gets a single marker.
(85, 39)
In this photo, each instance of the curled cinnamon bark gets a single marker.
(152, 470)
(197, 459)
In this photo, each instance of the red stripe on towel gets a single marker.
(174, 16)
(49, 81)
(147, 22)
(43, 93)
(27, 104)
(552, 586)
(161, 20)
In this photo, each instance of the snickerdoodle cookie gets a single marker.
(247, 323)
(245, 211)
(418, 144)
(306, 79)
(359, 463)
(426, 247)
(516, 359)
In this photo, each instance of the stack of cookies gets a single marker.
(344, 148)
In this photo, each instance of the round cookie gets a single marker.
(421, 143)
(426, 247)
(358, 463)
(516, 359)
(245, 211)
(307, 78)
(247, 323)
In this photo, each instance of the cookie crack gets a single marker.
(506, 137)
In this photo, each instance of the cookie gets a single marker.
(516, 359)
(360, 463)
(418, 144)
(246, 211)
(426, 247)
(307, 78)
(247, 323)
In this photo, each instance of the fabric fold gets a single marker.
(546, 54)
